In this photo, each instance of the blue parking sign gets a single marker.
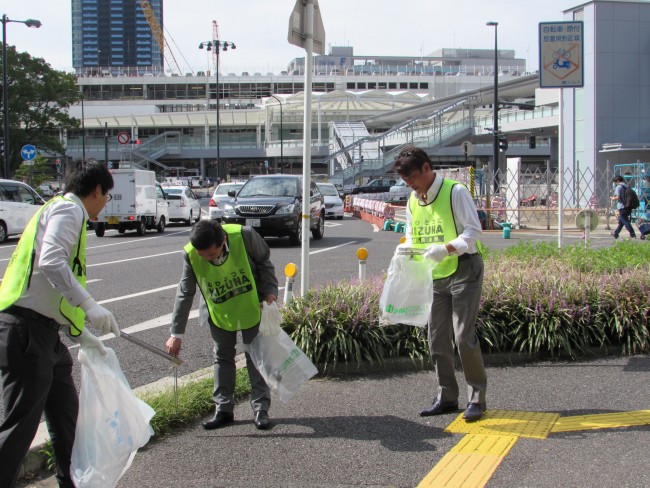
(28, 152)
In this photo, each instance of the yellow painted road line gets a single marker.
(536, 425)
(602, 421)
(471, 463)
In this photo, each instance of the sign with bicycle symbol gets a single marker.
(561, 53)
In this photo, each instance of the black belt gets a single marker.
(464, 257)
(26, 313)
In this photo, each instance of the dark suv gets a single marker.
(375, 186)
(272, 205)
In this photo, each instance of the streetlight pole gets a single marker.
(5, 86)
(281, 136)
(218, 46)
(83, 127)
(495, 107)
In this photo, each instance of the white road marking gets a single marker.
(139, 294)
(133, 259)
(136, 240)
(332, 248)
(93, 281)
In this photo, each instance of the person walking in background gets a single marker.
(441, 218)
(231, 266)
(43, 290)
(624, 213)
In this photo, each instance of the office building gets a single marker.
(109, 36)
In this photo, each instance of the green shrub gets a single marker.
(537, 299)
(340, 323)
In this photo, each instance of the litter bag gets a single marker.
(408, 292)
(112, 423)
(283, 366)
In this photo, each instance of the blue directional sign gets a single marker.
(28, 152)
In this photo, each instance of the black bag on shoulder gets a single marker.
(631, 199)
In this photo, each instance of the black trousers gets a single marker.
(36, 372)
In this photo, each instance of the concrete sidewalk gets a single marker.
(364, 430)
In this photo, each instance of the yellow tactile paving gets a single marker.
(507, 422)
(471, 463)
(602, 421)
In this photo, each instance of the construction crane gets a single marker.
(154, 25)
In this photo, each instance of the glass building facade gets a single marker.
(113, 37)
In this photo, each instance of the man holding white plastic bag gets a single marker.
(441, 220)
(231, 266)
(43, 290)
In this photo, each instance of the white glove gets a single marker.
(87, 339)
(99, 317)
(436, 252)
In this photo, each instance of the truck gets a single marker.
(136, 202)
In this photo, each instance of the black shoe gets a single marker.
(262, 421)
(438, 408)
(220, 419)
(613, 235)
(474, 411)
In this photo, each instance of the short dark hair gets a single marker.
(410, 159)
(206, 233)
(619, 179)
(84, 176)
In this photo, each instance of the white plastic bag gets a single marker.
(283, 366)
(408, 292)
(112, 423)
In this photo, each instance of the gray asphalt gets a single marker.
(365, 431)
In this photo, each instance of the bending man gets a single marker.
(43, 290)
(232, 268)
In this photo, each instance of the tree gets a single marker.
(35, 174)
(39, 99)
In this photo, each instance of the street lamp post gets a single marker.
(5, 85)
(83, 127)
(281, 136)
(495, 107)
(218, 46)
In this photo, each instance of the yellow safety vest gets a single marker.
(229, 288)
(19, 271)
(434, 223)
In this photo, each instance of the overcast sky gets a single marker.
(259, 28)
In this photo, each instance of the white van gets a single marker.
(18, 203)
(137, 202)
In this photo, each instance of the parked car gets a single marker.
(400, 191)
(184, 205)
(18, 203)
(272, 205)
(333, 202)
(221, 197)
(46, 190)
(375, 186)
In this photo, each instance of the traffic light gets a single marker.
(137, 142)
(532, 142)
(503, 144)
(2, 146)
(58, 166)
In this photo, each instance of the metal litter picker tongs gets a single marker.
(411, 251)
(174, 360)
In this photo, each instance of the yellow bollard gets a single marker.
(362, 255)
(290, 271)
